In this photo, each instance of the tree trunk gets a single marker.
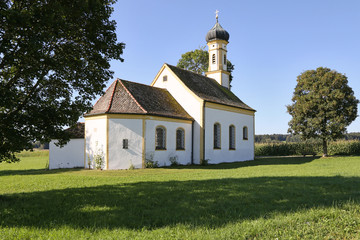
(325, 150)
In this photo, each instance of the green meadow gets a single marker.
(269, 198)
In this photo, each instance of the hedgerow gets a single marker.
(307, 148)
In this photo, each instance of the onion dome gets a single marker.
(217, 33)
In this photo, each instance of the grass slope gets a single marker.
(269, 198)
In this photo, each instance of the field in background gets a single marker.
(269, 198)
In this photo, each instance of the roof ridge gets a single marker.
(127, 90)
(112, 96)
(104, 93)
(189, 71)
(143, 84)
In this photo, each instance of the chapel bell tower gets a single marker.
(217, 39)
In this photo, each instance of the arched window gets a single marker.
(232, 137)
(245, 133)
(217, 136)
(160, 138)
(180, 139)
(213, 59)
(225, 59)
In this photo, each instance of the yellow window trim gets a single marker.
(232, 125)
(229, 108)
(176, 138)
(247, 133)
(219, 136)
(163, 127)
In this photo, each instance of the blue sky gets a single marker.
(271, 43)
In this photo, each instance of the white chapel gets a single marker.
(181, 116)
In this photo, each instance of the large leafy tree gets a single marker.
(323, 105)
(198, 61)
(54, 60)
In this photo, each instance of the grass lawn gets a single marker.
(269, 198)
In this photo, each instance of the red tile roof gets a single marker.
(134, 98)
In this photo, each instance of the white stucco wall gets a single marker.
(163, 156)
(188, 101)
(69, 156)
(95, 138)
(244, 149)
(130, 129)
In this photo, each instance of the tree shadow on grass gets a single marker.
(256, 162)
(234, 165)
(209, 203)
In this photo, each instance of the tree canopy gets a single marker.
(54, 60)
(323, 105)
(198, 61)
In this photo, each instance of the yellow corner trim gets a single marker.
(229, 108)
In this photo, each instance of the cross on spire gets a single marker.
(217, 15)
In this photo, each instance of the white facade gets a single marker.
(204, 119)
(244, 148)
(139, 133)
(190, 102)
(182, 157)
(120, 130)
(69, 156)
(95, 139)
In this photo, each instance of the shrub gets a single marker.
(174, 161)
(204, 162)
(151, 164)
(132, 167)
(99, 161)
(149, 161)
